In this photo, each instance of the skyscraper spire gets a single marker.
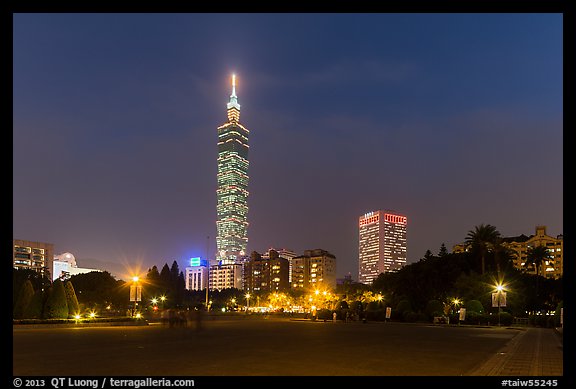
(233, 103)
(232, 192)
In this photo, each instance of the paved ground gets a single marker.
(259, 347)
(533, 352)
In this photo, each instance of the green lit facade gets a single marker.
(232, 192)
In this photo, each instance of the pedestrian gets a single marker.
(199, 314)
(334, 315)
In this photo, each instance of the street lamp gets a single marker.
(456, 302)
(135, 292)
(499, 299)
(247, 295)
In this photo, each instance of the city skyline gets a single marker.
(114, 157)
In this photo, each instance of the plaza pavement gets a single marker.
(532, 352)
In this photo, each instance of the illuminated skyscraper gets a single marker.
(382, 244)
(232, 192)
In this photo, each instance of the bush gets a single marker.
(506, 318)
(34, 309)
(422, 317)
(474, 306)
(473, 317)
(434, 308)
(377, 315)
(56, 306)
(71, 299)
(324, 314)
(24, 298)
(409, 316)
(403, 306)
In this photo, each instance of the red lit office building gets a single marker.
(382, 244)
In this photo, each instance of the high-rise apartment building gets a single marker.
(267, 273)
(382, 244)
(316, 269)
(225, 276)
(232, 191)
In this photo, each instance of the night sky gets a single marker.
(453, 120)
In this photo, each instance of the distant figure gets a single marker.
(334, 315)
(199, 314)
(190, 317)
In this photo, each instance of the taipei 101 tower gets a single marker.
(232, 191)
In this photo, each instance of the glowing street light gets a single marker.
(135, 292)
(247, 295)
(499, 299)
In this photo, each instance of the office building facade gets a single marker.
(382, 244)
(37, 256)
(196, 276)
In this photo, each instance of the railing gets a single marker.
(520, 321)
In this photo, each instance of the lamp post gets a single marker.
(247, 301)
(135, 293)
(499, 299)
(499, 289)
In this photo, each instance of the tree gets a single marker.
(503, 257)
(19, 276)
(165, 280)
(474, 306)
(24, 298)
(535, 257)
(56, 306)
(443, 251)
(153, 288)
(71, 299)
(481, 240)
(427, 255)
(35, 308)
(100, 288)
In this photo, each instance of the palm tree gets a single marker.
(482, 240)
(535, 256)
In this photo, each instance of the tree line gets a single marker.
(416, 292)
